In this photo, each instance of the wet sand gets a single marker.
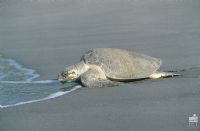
(47, 37)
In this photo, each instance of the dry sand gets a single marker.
(47, 37)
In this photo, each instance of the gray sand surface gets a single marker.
(47, 36)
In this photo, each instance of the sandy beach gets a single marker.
(48, 36)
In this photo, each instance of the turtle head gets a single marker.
(70, 74)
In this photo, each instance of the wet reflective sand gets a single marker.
(47, 36)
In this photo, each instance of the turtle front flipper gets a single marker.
(94, 78)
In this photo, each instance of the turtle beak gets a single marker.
(62, 81)
(60, 78)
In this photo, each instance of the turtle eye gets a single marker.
(64, 74)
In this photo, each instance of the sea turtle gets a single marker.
(109, 66)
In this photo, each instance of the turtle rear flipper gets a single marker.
(160, 74)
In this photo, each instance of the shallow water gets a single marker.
(17, 85)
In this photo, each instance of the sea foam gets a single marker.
(51, 96)
(18, 85)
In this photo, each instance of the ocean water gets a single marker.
(17, 85)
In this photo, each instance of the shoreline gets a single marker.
(49, 97)
(49, 37)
